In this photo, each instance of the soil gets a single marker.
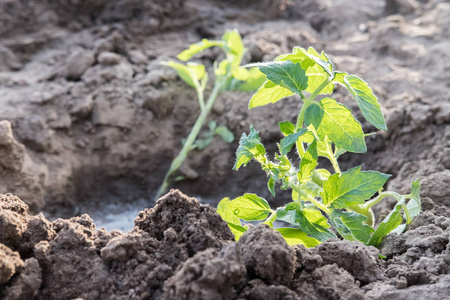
(90, 120)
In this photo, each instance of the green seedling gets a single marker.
(321, 200)
(229, 76)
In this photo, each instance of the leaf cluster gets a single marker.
(229, 70)
(321, 200)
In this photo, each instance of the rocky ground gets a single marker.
(181, 249)
(89, 115)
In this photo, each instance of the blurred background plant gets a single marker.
(229, 76)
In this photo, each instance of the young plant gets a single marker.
(229, 76)
(321, 200)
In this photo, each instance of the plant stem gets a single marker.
(309, 198)
(408, 217)
(334, 163)
(272, 218)
(365, 212)
(380, 197)
(366, 209)
(319, 89)
(301, 115)
(177, 161)
(310, 100)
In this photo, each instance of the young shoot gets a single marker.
(321, 200)
(229, 76)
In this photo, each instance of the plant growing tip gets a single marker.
(229, 76)
(321, 200)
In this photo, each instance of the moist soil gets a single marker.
(90, 120)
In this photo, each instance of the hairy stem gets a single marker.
(333, 159)
(334, 163)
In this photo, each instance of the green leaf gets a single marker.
(288, 141)
(286, 128)
(310, 188)
(324, 148)
(212, 125)
(414, 205)
(249, 147)
(269, 92)
(339, 77)
(294, 236)
(224, 133)
(318, 67)
(350, 225)
(201, 144)
(271, 186)
(198, 47)
(308, 137)
(286, 74)
(367, 101)
(321, 59)
(222, 68)
(233, 42)
(336, 121)
(308, 163)
(237, 230)
(390, 223)
(280, 170)
(227, 214)
(352, 187)
(316, 76)
(252, 79)
(191, 73)
(249, 207)
(310, 221)
(339, 152)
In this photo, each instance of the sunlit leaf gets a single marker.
(191, 73)
(352, 187)
(198, 47)
(249, 207)
(286, 74)
(336, 121)
(295, 236)
(350, 225)
(227, 214)
(288, 141)
(366, 100)
(392, 221)
(269, 92)
(310, 221)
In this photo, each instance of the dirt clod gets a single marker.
(175, 210)
(10, 262)
(362, 262)
(267, 256)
